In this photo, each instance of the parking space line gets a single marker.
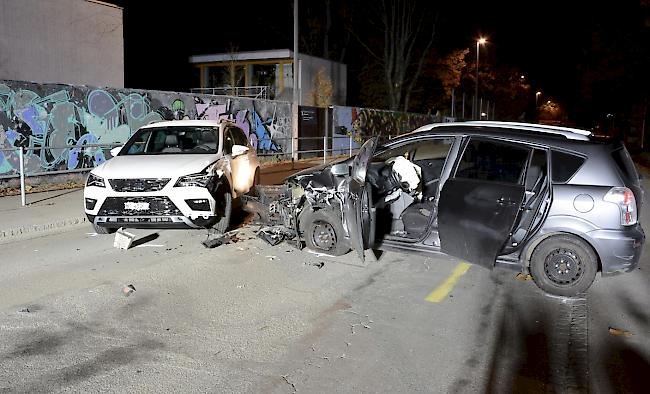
(440, 293)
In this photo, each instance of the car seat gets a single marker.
(171, 144)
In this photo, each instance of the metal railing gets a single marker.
(257, 92)
(287, 152)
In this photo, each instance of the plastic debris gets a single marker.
(288, 382)
(618, 332)
(523, 277)
(213, 243)
(275, 234)
(128, 290)
(24, 310)
(318, 265)
(123, 239)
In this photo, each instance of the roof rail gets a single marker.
(569, 133)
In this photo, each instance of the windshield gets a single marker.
(172, 140)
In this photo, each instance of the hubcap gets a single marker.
(563, 266)
(323, 235)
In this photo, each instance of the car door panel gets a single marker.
(358, 210)
(475, 218)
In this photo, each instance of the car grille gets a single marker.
(157, 206)
(138, 185)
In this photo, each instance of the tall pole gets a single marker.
(476, 94)
(294, 106)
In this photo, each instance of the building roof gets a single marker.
(239, 56)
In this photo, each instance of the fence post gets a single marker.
(22, 176)
(350, 140)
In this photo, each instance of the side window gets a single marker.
(564, 165)
(240, 137)
(493, 161)
(228, 141)
(434, 149)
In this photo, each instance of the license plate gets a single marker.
(136, 206)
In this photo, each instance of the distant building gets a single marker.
(267, 74)
(77, 42)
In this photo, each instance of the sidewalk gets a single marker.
(52, 211)
(45, 212)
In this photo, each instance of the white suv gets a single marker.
(176, 174)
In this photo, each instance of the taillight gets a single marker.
(624, 198)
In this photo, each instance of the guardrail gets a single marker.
(288, 154)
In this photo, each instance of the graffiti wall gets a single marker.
(359, 123)
(60, 126)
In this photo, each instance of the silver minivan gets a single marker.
(550, 201)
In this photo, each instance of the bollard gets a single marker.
(21, 160)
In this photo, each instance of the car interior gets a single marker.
(407, 207)
(405, 183)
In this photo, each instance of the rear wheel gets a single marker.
(103, 230)
(564, 265)
(323, 232)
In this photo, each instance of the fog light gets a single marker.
(201, 204)
(90, 203)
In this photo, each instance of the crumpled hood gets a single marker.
(317, 169)
(154, 166)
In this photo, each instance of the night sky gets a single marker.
(546, 40)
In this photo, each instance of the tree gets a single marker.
(321, 93)
(450, 70)
(407, 37)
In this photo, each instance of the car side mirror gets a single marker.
(340, 169)
(238, 150)
(115, 151)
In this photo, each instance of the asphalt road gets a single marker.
(250, 317)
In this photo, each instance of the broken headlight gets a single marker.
(199, 180)
(94, 180)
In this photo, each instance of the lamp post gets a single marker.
(480, 41)
(539, 93)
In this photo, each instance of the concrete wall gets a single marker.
(336, 71)
(359, 123)
(53, 122)
(62, 41)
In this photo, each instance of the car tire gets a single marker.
(225, 210)
(103, 230)
(323, 232)
(254, 191)
(564, 265)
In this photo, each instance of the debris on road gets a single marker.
(618, 332)
(24, 310)
(287, 380)
(128, 289)
(275, 234)
(221, 239)
(523, 277)
(123, 239)
(318, 265)
(213, 243)
(272, 257)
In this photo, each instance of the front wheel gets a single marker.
(564, 265)
(224, 210)
(103, 230)
(323, 232)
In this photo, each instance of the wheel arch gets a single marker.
(532, 245)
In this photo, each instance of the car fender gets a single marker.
(556, 225)
(222, 169)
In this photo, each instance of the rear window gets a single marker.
(565, 165)
(625, 164)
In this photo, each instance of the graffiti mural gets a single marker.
(60, 126)
(359, 123)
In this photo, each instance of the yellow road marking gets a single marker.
(441, 292)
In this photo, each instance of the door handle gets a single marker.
(505, 201)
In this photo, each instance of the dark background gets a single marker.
(590, 57)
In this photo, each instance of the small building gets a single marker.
(268, 74)
(76, 42)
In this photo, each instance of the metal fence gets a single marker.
(289, 152)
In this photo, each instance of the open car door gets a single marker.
(479, 205)
(358, 210)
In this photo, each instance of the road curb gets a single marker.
(40, 229)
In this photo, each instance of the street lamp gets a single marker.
(480, 41)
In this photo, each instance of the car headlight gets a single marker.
(94, 180)
(199, 180)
